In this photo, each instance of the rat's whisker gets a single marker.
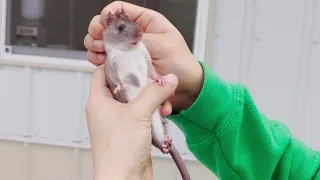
(119, 41)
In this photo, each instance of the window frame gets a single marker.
(199, 45)
(1, 9)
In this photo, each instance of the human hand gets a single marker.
(120, 134)
(165, 44)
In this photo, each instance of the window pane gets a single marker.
(57, 28)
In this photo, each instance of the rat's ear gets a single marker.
(123, 14)
(109, 18)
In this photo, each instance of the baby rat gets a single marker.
(129, 69)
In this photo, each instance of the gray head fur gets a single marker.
(121, 32)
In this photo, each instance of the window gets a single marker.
(56, 28)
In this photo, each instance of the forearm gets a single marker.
(228, 134)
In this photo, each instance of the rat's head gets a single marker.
(121, 31)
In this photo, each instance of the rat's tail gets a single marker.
(179, 162)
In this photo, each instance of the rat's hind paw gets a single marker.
(120, 87)
(166, 145)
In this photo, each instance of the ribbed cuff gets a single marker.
(211, 110)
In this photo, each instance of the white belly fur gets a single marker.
(135, 62)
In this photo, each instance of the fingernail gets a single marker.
(101, 57)
(172, 80)
(98, 44)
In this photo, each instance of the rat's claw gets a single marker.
(161, 81)
(165, 149)
(166, 145)
(167, 140)
(158, 78)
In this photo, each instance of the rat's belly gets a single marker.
(136, 70)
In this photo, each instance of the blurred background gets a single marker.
(63, 24)
(271, 46)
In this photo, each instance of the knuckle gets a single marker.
(94, 27)
(87, 41)
(90, 55)
(96, 19)
(92, 22)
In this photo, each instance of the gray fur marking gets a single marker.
(121, 96)
(112, 78)
(132, 80)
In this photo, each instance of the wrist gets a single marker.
(191, 89)
(196, 84)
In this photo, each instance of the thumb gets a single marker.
(154, 95)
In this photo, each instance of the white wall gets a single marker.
(42, 113)
(38, 162)
(273, 47)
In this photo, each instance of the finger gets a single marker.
(93, 45)
(98, 91)
(99, 83)
(154, 95)
(96, 28)
(156, 45)
(142, 16)
(160, 45)
(166, 108)
(96, 58)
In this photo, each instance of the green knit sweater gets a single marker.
(226, 132)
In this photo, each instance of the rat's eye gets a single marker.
(121, 27)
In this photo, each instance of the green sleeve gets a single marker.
(226, 132)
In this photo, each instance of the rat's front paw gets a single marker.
(120, 87)
(157, 78)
